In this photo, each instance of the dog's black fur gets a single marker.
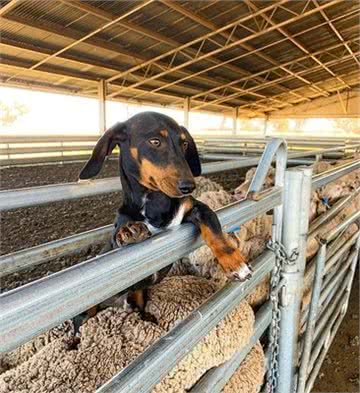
(158, 163)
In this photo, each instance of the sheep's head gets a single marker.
(241, 191)
(321, 166)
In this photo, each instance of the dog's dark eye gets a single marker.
(155, 142)
(185, 145)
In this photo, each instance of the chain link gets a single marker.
(281, 259)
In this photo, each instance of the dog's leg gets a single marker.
(223, 246)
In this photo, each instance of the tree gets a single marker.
(9, 113)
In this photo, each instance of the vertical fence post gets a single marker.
(294, 233)
(235, 119)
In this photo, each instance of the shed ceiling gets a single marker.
(259, 56)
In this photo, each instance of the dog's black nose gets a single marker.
(186, 186)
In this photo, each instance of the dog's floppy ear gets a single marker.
(191, 154)
(105, 145)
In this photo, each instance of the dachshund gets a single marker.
(158, 163)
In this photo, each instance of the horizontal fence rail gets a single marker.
(19, 260)
(335, 173)
(25, 149)
(31, 309)
(25, 197)
(45, 252)
(32, 196)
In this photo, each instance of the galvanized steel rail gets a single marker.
(25, 197)
(19, 260)
(40, 305)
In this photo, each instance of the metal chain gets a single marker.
(281, 259)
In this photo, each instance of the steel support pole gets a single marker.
(295, 226)
(102, 106)
(266, 124)
(235, 120)
(187, 105)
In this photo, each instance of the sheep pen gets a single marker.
(196, 278)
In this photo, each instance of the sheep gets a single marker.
(114, 337)
(170, 302)
(203, 184)
(26, 351)
(109, 342)
(341, 187)
(312, 242)
(322, 198)
(241, 191)
(249, 377)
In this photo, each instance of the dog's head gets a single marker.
(155, 150)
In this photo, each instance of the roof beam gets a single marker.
(270, 83)
(296, 42)
(23, 67)
(226, 46)
(228, 36)
(96, 42)
(289, 63)
(137, 7)
(316, 95)
(110, 66)
(8, 7)
(199, 40)
(105, 15)
(337, 33)
(189, 52)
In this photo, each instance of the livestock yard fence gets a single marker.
(294, 359)
(23, 149)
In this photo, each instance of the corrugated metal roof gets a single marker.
(271, 51)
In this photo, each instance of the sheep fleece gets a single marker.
(114, 337)
(172, 301)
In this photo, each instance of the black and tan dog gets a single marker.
(158, 162)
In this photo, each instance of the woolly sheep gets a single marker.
(174, 299)
(114, 337)
(241, 191)
(26, 351)
(312, 242)
(203, 184)
(249, 377)
(109, 342)
(342, 186)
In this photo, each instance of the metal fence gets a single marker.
(36, 307)
(18, 150)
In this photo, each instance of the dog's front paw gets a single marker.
(234, 265)
(132, 232)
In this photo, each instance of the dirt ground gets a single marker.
(27, 227)
(340, 370)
